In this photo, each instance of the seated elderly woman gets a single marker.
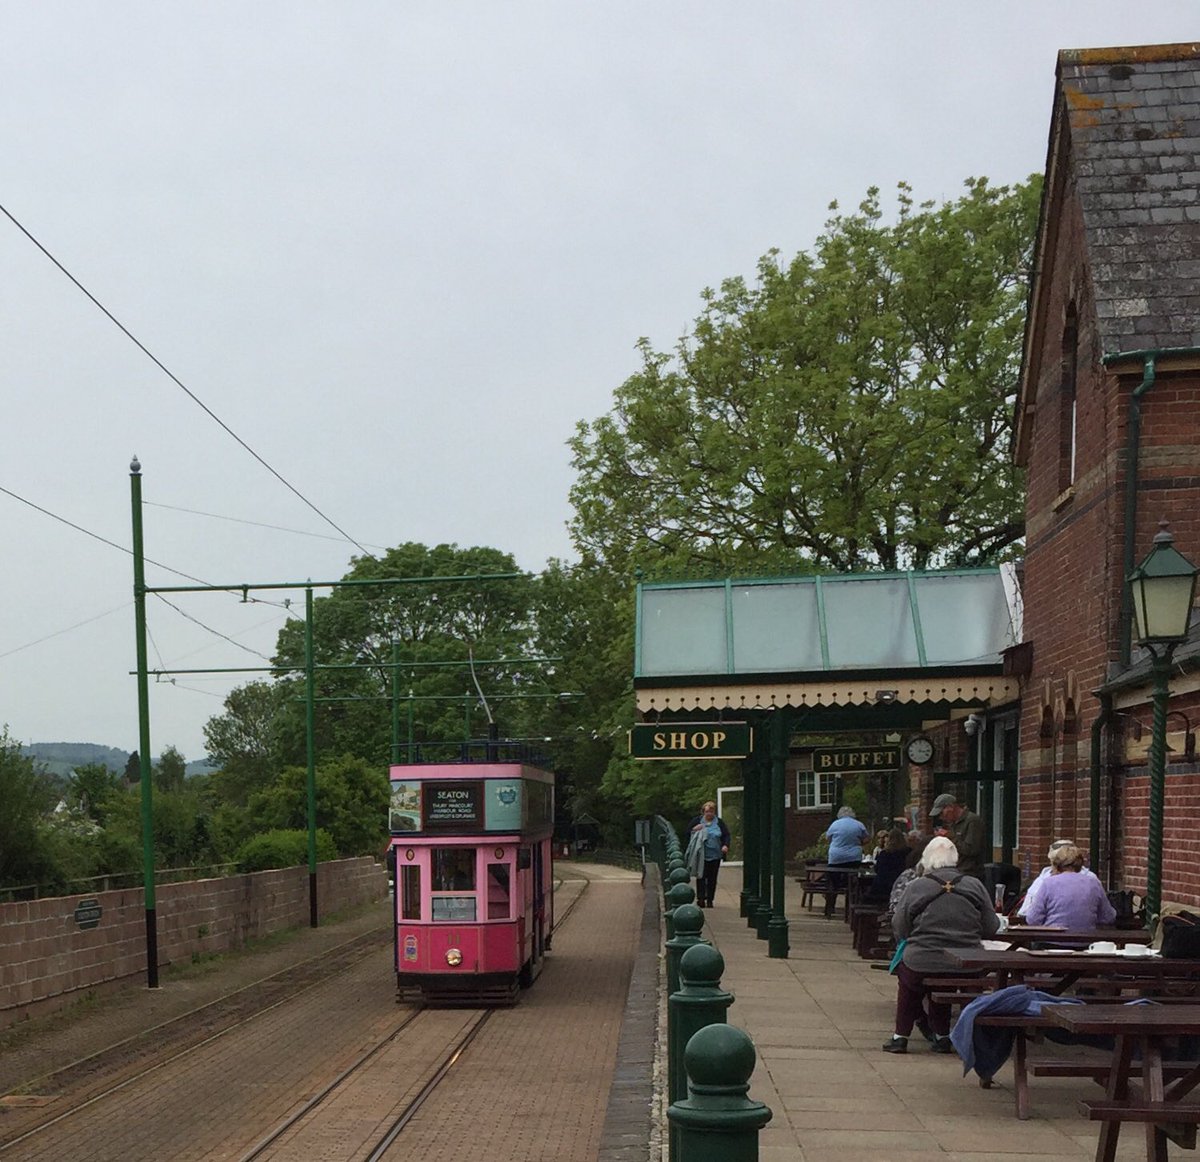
(889, 863)
(940, 910)
(1067, 899)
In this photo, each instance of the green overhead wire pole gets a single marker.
(395, 687)
(141, 589)
(311, 749)
(143, 689)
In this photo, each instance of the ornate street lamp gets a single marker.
(1163, 588)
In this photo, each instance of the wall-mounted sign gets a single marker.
(844, 759)
(87, 913)
(452, 806)
(691, 740)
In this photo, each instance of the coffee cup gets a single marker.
(1102, 946)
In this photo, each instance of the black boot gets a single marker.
(896, 1044)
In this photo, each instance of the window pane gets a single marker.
(453, 869)
(497, 891)
(805, 787)
(410, 892)
(683, 631)
(963, 619)
(454, 909)
(775, 628)
(869, 623)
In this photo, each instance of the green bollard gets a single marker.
(717, 1122)
(698, 1001)
(688, 923)
(679, 895)
(677, 875)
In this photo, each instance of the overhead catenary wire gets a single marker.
(179, 383)
(129, 552)
(258, 524)
(232, 641)
(68, 629)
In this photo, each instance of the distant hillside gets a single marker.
(61, 758)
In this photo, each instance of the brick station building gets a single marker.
(1108, 429)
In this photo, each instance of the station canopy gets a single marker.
(831, 640)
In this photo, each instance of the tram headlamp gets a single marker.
(453, 957)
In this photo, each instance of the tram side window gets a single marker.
(410, 892)
(498, 906)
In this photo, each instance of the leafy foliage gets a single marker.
(852, 409)
(282, 849)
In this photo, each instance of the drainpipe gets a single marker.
(1101, 721)
(1133, 439)
(1149, 358)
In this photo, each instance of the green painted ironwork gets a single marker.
(143, 691)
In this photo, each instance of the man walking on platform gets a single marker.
(965, 829)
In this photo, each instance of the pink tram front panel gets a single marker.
(474, 899)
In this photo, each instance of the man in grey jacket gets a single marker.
(965, 829)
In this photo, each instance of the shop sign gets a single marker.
(691, 740)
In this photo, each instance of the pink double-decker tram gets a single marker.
(474, 895)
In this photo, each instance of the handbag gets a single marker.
(1180, 936)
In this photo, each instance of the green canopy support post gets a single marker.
(777, 928)
(311, 746)
(143, 691)
(411, 730)
(748, 899)
(762, 779)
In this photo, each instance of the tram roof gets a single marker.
(831, 639)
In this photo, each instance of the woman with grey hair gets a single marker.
(941, 910)
(846, 836)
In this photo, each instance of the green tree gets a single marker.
(851, 409)
(170, 772)
(351, 802)
(433, 621)
(92, 789)
(133, 768)
(244, 741)
(29, 798)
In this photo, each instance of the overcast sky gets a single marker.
(401, 249)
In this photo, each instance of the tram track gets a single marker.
(141, 1055)
(218, 1013)
(435, 1075)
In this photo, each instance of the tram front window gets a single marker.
(453, 869)
(452, 884)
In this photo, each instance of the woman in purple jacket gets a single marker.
(1069, 900)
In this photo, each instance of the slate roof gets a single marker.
(1133, 117)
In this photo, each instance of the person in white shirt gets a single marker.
(1040, 879)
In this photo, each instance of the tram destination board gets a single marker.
(453, 806)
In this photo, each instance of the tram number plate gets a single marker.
(410, 949)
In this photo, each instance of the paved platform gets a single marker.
(818, 1020)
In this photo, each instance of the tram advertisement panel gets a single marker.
(404, 811)
(469, 805)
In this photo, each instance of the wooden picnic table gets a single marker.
(1157, 1101)
(1066, 966)
(856, 874)
(1022, 935)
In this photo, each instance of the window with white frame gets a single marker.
(814, 790)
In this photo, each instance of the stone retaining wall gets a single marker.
(47, 959)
